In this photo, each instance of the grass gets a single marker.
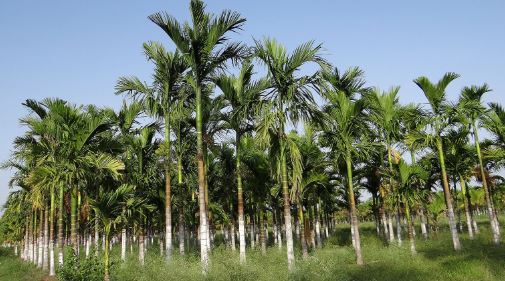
(13, 269)
(436, 260)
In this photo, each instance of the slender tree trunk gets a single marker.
(279, 228)
(45, 251)
(303, 241)
(424, 230)
(73, 218)
(262, 216)
(232, 232)
(468, 215)
(106, 254)
(181, 231)
(448, 197)
(201, 181)
(123, 244)
(398, 227)
(60, 227)
(354, 217)
(142, 246)
(410, 227)
(40, 240)
(51, 234)
(495, 225)
(287, 208)
(318, 225)
(240, 207)
(168, 198)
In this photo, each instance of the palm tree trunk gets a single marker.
(390, 227)
(279, 228)
(318, 224)
(40, 240)
(45, 251)
(106, 254)
(354, 217)
(60, 227)
(303, 241)
(468, 214)
(262, 219)
(168, 198)
(495, 225)
(51, 234)
(73, 218)
(142, 246)
(97, 236)
(201, 182)
(123, 244)
(240, 207)
(181, 231)
(287, 208)
(410, 230)
(424, 230)
(448, 198)
(391, 182)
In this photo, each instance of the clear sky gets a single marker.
(76, 50)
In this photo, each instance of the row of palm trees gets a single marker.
(91, 172)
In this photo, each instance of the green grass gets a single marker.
(436, 260)
(14, 269)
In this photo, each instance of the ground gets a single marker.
(436, 260)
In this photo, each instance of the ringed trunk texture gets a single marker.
(303, 241)
(240, 207)
(468, 214)
(60, 227)
(354, 217)
(204, 245)
(448, 198)
(493, 219)
(287, 211)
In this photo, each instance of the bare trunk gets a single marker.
(123, 244)
(424, 230)
(181, 232)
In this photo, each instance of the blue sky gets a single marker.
(76, 50)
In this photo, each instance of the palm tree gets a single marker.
(158, 100)
(289, 100)
(471, 106)
(241, 96)
(203, 45)
(407, 177)
(435, 93)
(345, 134)
(385, 114)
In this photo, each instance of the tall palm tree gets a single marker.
(241, 95)
(345, 132)
(289, 100)
(470, 103)
(158, 100)
(435, 93)
(385, 114)
(205, 48)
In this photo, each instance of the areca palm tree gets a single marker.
(435, 94)
(471, 106)
(289, 100)
(385, 114)
(158, 100)
(205, 48)
(344, 134)
(241, 95)
(408, 176)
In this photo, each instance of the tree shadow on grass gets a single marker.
(475, 254)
